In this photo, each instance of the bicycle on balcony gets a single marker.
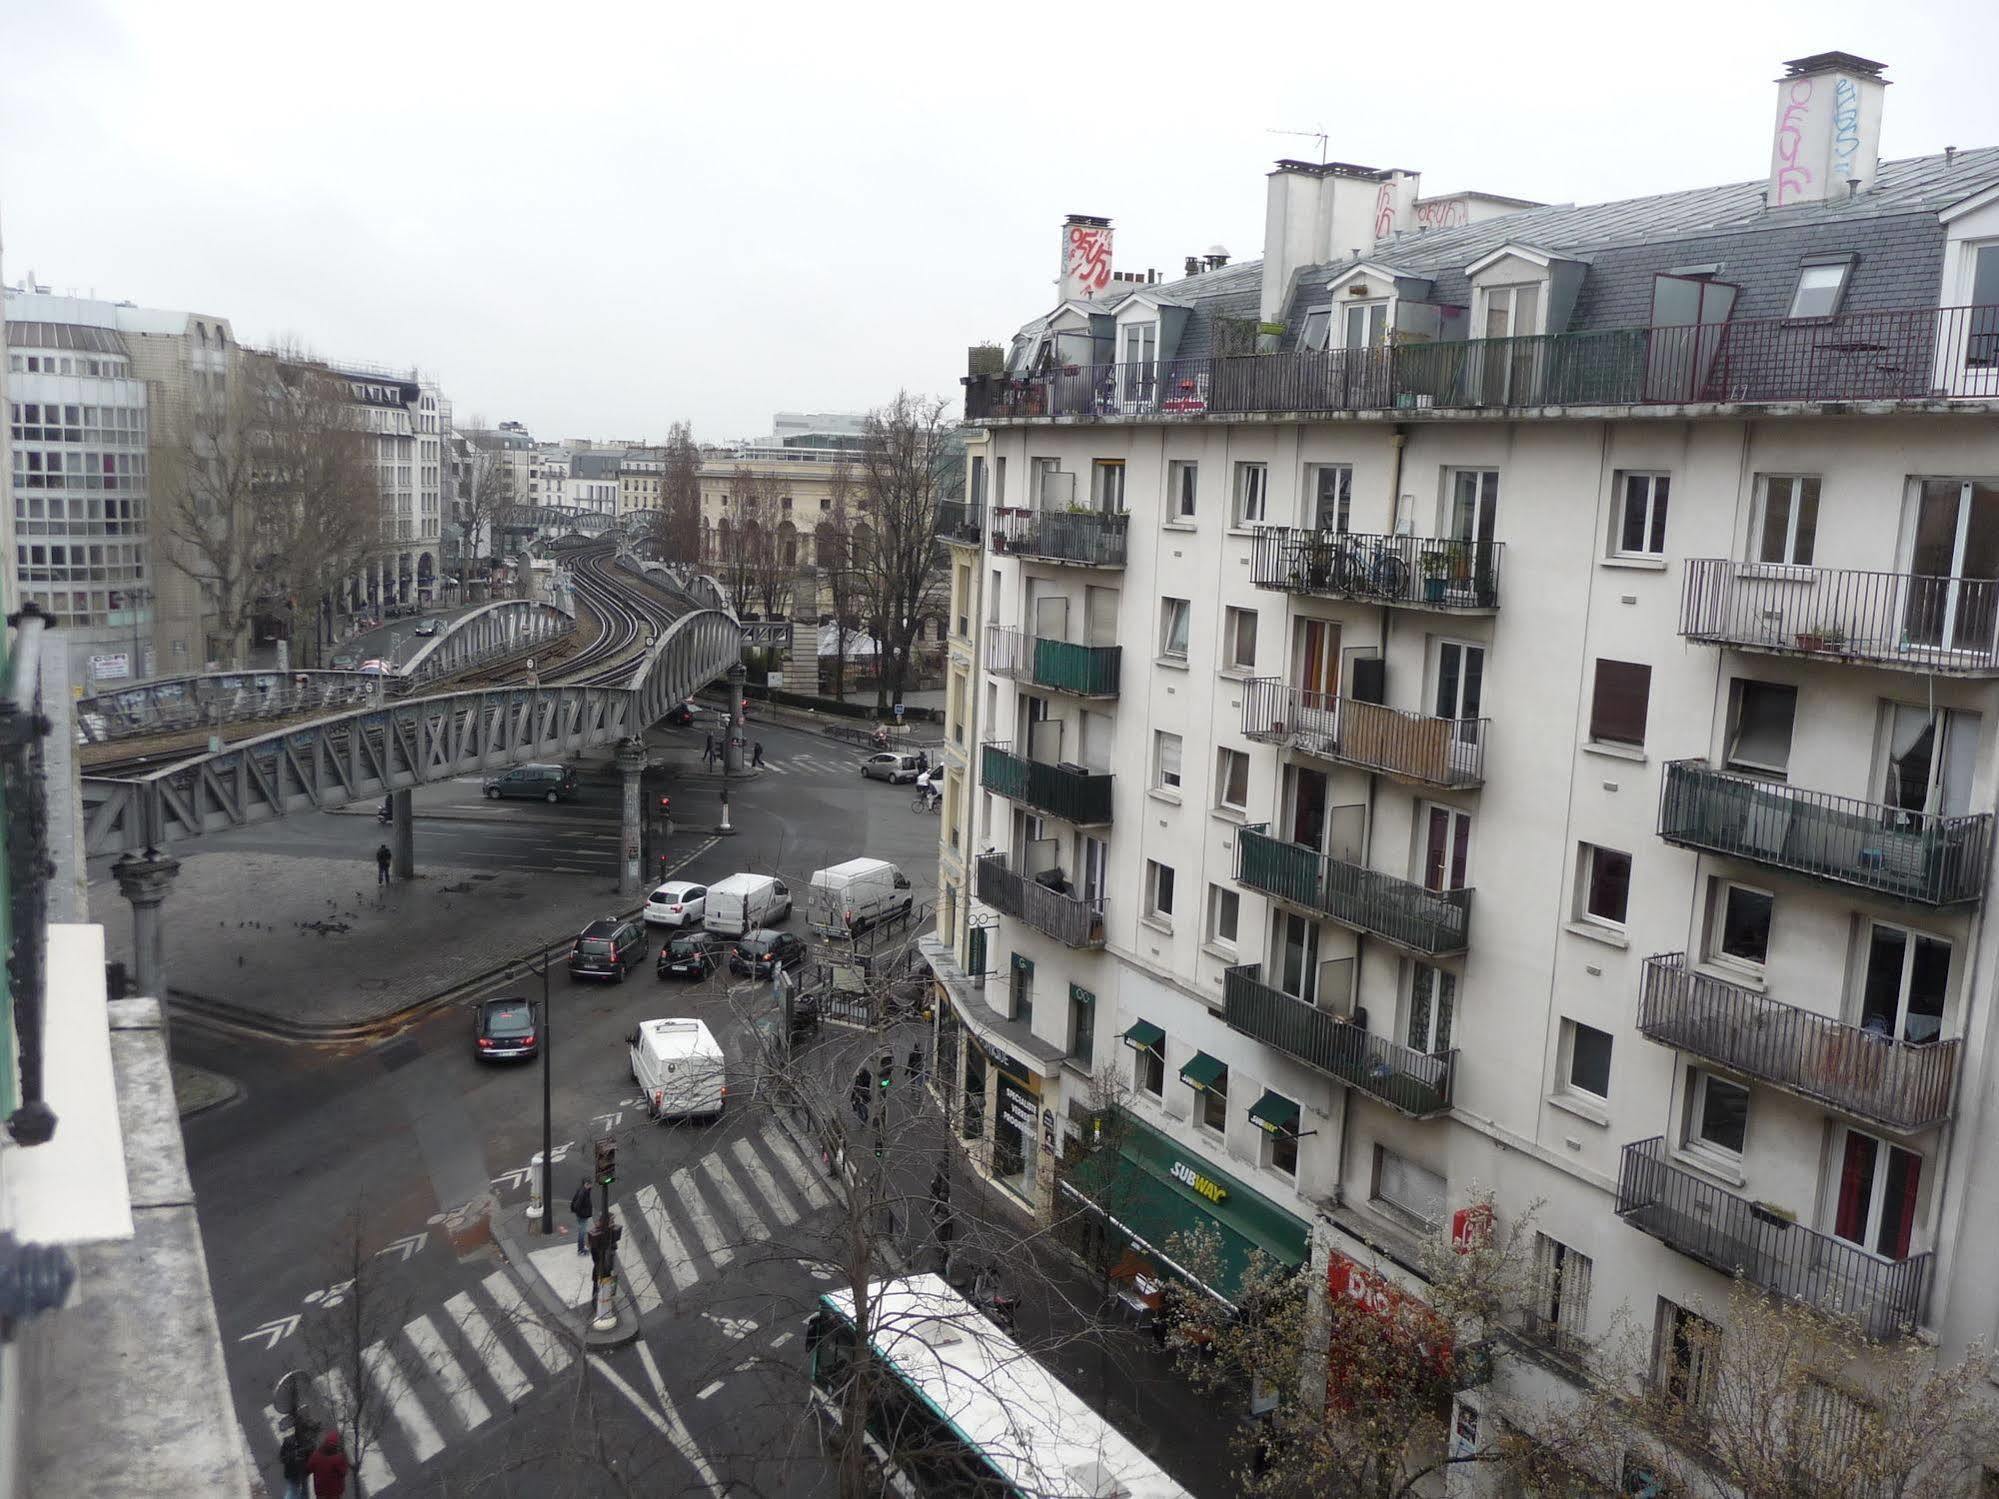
(1335, 562)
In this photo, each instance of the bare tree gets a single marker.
(905, 463)
(833, 555)
(485, 498)
(676, 526)
(204, 477)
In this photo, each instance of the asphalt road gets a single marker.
(344, 1196)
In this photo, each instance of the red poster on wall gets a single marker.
(1411, 1326)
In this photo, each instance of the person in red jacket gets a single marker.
(329, 1467)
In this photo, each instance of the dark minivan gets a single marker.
(608, 949)
(505, 1028)
(542, 783)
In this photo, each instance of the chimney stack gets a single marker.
(1086, 258)
(1828, 132)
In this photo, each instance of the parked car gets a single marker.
(759, 953)
(346, 661)
(890, 766)
(679, 1068)
(374, 666)
(504, 1028)
(429, 626)
(681, 716)
(546, 783)
(743, 902)
(676, 903)
(693, 955)
(608, 949)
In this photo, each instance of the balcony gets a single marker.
(1411, 572)
(1739, 1237)
(961, 521)
(1947, 626)
(1442, 752)
(1919, 354)
(1083, 670)
(1086, 538)
(1065, 791)
(1412, 1082)
(1431, 922)
(1899, 1084)
(1050, 910)
(1912, 856)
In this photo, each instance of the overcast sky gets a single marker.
(598, 218)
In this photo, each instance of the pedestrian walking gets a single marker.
(923, 760)
(707, 746)
(580, 1205)
(915, 1069)
(294, 1452)
(329, 1467)
(757, 753)
(383, 858)
(940, 1192)
(862, 1094)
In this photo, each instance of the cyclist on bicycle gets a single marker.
(927, 789)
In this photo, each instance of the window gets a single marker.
(1332, 496)
(1365, 325)
(1239, 639)
(1618, 706)
(1251, 482)
(1926, 755)
(1232, 780)
(1433, 996)
(1605, 877)
(1149, 1068)
(1760, 715)
(1688, 1351)
(1159, 891)
(1585, 1059)
(1820, 287)
(1182, 486)
(1560, 1307)
(1020, 984)
(1312, 333)
(1279, 1150)
(1408, 1190)
(1641, 515)
(1906, 980)
(1224, 908)
(1214, 1110)
(1717, 1114)
(1739, 924)
(1165, 760)
(1786, 521)
(999, 484)
(1876, 1194)
(1082, 1026)
(1173, 620)
(1107, 485)
(1446, 848)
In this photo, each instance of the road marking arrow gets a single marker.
(405, 1246)
(734, 1327)
(273, 1332)
(555, 1156)
(514, 1178)
(607, 1121)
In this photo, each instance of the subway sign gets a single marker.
(1187, 1176)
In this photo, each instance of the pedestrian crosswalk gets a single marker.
(455, 1368)
(822, 763)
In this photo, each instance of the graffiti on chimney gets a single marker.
(1793, 176)
(1089, 259)
(1845, 127)
(1446, 213)
(1384, 211)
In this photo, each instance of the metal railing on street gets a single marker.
(1064, 791)
(1914, 856)
(1739, 1237)
(1050, 909)
(1090, 538)
(1058, 665)
(1434, 922)
(1445, 752)
(1414, 1082)
(1903, 1085)
(1413, 572)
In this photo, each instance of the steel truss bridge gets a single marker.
(364, 754)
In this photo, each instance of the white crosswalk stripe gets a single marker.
(542, 1343)
(705, 1227)
(394, 1389)
(337, 1401)
(448, 1372)
(761, 1179)
(674, 1258)
(488, 1347)
(795, 1167)
(633, 1266)
(748, 1219)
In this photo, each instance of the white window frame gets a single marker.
(1233, 618)
(1560, 1310)
(1220, 899)
(1699, 1081)
(1140, 1083)
(1183, 483)
(1207, 1100)
(1372, 313)
(1395, 1207)
(1877, 1192)
(1312, 333)
(1586, 879)
(1169, 768)
(1225, 758)
(1910, 937)
(1657, 506)
(1571, 1032)
(1153, 911)
(1342, 517)
(1442, 1004)
(1739, 690)
(1823, 276)
(1172, 611)
(1107, 485)
(1250, 503)
(1266, 1155)
(1720, 888)
(1799, 501)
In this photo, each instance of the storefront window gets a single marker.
(975, 1094)
(1015, 1135)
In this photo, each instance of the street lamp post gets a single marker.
(541, 1194)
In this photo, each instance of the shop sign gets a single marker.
(1348, 1280)
(111, 667)
(1186, 1175)
(1048, 1132)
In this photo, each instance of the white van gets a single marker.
(678, 1067)
(856, 894)
(744, 902)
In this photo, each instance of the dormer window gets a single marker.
(1513, 311)
(1312, 333)
(1364, 325)
(1821, 286)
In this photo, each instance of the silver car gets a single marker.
(891, 767)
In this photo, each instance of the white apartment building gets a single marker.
(1503, 697)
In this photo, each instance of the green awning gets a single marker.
(1275, 1113)
(1202, 1071)
(1144, 1035)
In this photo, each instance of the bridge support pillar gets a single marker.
(143, 879)
(631, 766)
(402, 834)
(733, 763)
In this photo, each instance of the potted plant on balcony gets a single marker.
(1822, 638)
(1435, 565)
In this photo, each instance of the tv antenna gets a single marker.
(1318, 135)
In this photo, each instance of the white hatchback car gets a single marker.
(676, 903)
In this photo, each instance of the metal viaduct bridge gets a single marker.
(388, 749)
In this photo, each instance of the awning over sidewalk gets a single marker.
(1144, 1035)
(1150, 1187)
(1275, 1113)
(1202, 1071)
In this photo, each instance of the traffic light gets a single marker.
(887, 1073)
(607, 1161)
(602, 1241)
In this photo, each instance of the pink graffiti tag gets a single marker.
(1090, 258)
(1792, 178)
(1448, 214)
(1384, 211)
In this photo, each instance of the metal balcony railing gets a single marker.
(1090, 538)
(1902, 1085)
(1413, 572)
(1049, 909)
(1446, 752)
(1914, 354)
(961, 520)
(1065, 791)
(1913, 856)
(1414, 1082)
(1928, 624)
(1085, 670)
(1425, 921)
(1739, 1237)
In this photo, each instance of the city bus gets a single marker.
(962, 1409)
